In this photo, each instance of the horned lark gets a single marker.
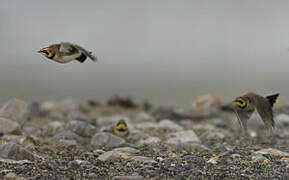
(120, 129)
(244, 107)
(65, 52)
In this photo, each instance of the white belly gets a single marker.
(66, 59)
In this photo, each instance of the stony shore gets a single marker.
(73, 140)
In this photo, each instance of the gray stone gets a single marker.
(144, 117)
(146, 125)
(213, 134)
(282, 120)
(168, 124)
(81, 128)
(127, 149)
(53, 128)
(273, 152)
(68, 135)
(257, 157)
(180, 137)
(20, 162)
(9, 127)
(16, 110)
(220, 123)
(150, 140)
(128, 178)
(15, 152)
(104, 139)
(113, 156)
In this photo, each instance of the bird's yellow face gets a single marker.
(240, 102)
(121, 129)
(46, 52)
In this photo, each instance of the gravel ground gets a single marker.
(75, 140)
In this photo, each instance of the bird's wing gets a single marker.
(264, 109)
(243, 116)
(66, 47)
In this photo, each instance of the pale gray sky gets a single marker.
(166, 51)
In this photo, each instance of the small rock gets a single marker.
(213, 134)
(68, 135)
(128, 178)
(142, 159)
(73, 165)
(63, 143)
(273, 152)
(150, 140)
(104, 139)
(98, 152)
(77, 115)
(257, 157)
(9, 127)
(127, 149)
(235, 155)
(168, 124)
(16, 110)
(285, 159)
(34, 110)
(15, 152)
(220, 123)
(146, 125)
(180, 137)
(81, 128)
(53, 128)
(113, 156)
(205, 102)
(282, 120)
(144, 117)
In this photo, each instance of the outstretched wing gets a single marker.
(84, 51)
(264, 108)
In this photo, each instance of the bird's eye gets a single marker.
(241, 103)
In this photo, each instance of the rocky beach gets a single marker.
(70, 139)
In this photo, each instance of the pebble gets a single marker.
(15, 152)
(181, 137)
(16, 110)
(104, 139)
(9, 127)
(150, 140)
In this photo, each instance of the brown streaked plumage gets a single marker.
(245, 105)
(65, 52)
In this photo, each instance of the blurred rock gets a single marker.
(108, 140)
(63, 143)
(113, 156)
(68, 135)
(16, 152)
(168, 124)
(273, 152)
(122, 102)
(167, 112)
(127, 149)
(34, 110)
(181, 137)
(282, 120)
(53, 128)
(150, 140)
(81, 128)
(215, 134)
(77, 115)
(257, 157)
(9, 127)
(220, 123)
(13, 176)
(16, 110)
(205, 103)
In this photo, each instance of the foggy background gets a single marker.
(166, 51)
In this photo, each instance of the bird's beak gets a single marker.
(39, 51)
